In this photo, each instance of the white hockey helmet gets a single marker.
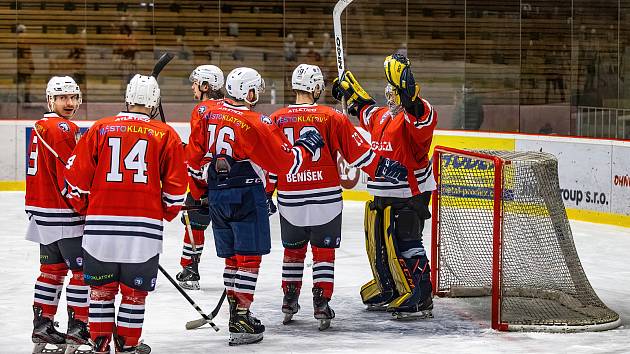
(307, 78)
(210, 74)
(61, 85)
(241, 80)
(143, 90)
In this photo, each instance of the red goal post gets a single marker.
(499, 229)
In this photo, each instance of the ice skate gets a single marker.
(78, 337)
(46, 338)
(245, 328)
(188, 278)
(290, 304)
(420, 311)
(376, 307)
(141, 348)
(321, 310)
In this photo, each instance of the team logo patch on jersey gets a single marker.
(138, 281)
(265, 119)
(64, 126)
(201, 110)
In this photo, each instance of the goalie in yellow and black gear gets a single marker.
(394, 220)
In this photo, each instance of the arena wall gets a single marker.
(594, 173)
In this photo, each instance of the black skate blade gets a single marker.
(324, 324)
(190, 285)
(47, 348)
(412, 316)
(288, 318)
(244, 338)
(79, 349)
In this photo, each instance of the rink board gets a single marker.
(594, 173)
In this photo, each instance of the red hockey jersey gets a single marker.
(196, 182)
(404, 138)
(244, 135)
(134, 171)
(51, 216)
(313, 196)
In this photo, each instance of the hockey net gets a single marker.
(500, 229)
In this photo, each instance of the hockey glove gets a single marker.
(311, 140)
(271, 207)
(349, 89)
(392, 170)
(199, 218)
(398, 74)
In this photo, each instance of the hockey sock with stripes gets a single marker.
(102, 311)
(245, 280)
(187, 252)
(48, 287)
(229, 273)
(77, 296)
(131, 315)
(293, 267)
(324, 269)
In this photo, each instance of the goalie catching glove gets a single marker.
(392, 170)
(349, 90)
(406, 92)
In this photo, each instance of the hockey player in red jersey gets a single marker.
(207, 81)
(402, 130)
(242, 144)
(310, 201)
(53, 223)
(133, 168)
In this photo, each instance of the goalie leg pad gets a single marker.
(399, 272)
(381, 289)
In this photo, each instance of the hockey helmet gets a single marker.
(307, 78)
(209, 74)
(241, 80)
(143, 90)
(61, 85)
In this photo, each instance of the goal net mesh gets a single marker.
(542, 282)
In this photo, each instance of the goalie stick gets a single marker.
(337, 11)
(157, 69)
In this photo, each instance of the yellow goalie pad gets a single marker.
(372, 288)
(402, 279)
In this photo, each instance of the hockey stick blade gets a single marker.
(341, 66)
(194, 324)
(337, 11)
(161, 63)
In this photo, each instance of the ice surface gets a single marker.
(458, 326)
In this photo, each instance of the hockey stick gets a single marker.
(52, 151)
(195, 257)
(157, 69)
(206, 318)
(194, 324)
(341, 67)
